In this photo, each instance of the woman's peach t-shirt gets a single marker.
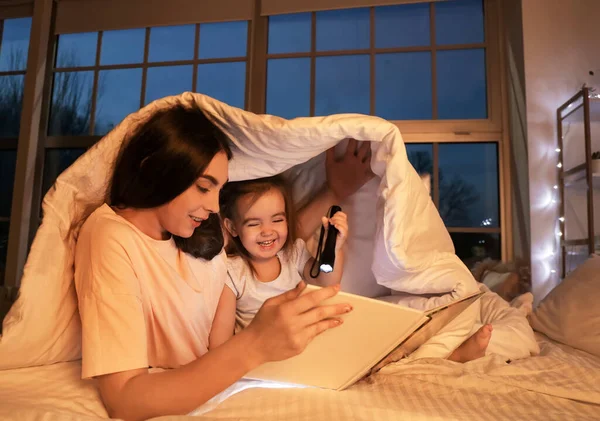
(142, 302)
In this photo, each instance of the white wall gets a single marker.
(561, 41)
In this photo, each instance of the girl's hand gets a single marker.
(285, 324)
(340, 221)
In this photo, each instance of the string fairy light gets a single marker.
(559, 233)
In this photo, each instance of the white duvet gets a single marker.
(398, 239)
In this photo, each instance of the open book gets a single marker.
(372, 331)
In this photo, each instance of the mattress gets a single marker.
(559, 384)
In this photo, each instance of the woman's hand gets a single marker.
(349, 173)
(340, 221)
(286, 324)
(344, 177)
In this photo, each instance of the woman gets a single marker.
(149, 270)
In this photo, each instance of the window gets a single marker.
(424, 61)
(55, 162)
(14, 46)
(466, 191)
(101, 77)
(423, 65)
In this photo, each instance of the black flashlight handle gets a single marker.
(328, 255)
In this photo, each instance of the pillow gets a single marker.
(569, 313)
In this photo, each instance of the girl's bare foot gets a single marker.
(474, 347)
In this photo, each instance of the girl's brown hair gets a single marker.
(232, 192)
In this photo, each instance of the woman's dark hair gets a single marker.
(161, 160)
(231, 194)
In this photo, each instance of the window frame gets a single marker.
(129, 14)
(23, 9)
(11, 143)
(30, 138)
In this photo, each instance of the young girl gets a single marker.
(265, 258)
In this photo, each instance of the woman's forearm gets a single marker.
(181, 390)
(224, 321)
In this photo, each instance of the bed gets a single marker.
(559, 384)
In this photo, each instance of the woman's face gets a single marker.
(182, 215)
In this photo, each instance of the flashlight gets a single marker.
(327, 260)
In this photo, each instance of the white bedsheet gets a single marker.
(560, 384)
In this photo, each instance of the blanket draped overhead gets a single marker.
(409, 248)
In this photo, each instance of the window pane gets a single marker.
(469, 184)
(343, 29)
(475, 247)
(170, 43)
(8, 161)
(123, 46)
(76, 50)
(289, 33)
(118, 95)
(461, 84)
(3, 248)
(459, 22)
(288, 87)
(57, 160)
(15, 44)
(342, 85)
(224, 39)
(166, 81)
(402, 26)
(403, 86)
(11, 100)
(223, 81)
(420, 156)
(71, 107)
